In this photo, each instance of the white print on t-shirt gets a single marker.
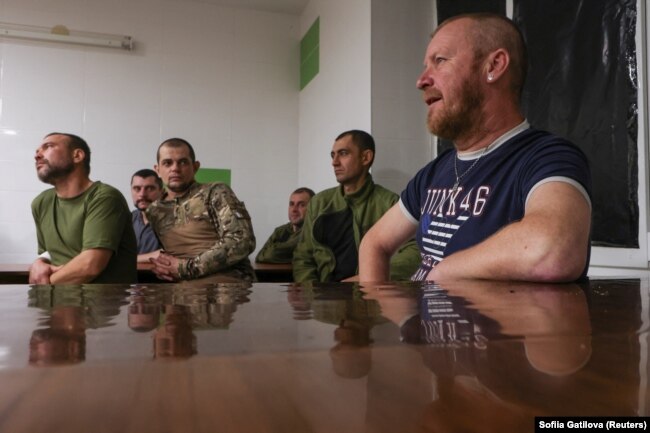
(446, 211)
(445, 202)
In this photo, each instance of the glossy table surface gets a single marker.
(462, 357)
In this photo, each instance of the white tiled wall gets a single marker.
(338, 98)
(371, 53)
(224, 79)
(400, 34)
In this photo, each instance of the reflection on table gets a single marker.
(466, 356)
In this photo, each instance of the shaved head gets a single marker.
(490, 32)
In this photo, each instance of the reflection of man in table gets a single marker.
(143, 313)
(64, 342)
(552, 321)
(68, 311)
(174, 337)
(505, 352)
(353, 317)
(100, 303)
(397, 384)
(206, 232)
(279, 247)
(299, 301)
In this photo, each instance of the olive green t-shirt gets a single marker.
(98, 218)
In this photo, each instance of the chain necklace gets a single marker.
(459, 177)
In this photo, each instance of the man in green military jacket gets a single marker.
(339, 217)
(279, 247)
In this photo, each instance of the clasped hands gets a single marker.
(165, 266)
(41, 271)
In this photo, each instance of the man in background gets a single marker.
(83, 227)
(279, 247)
(338, 218)
(146, 188)
(205, 231)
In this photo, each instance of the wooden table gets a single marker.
(273, 272)
(270, 357)
(265, 272)
(14, 273)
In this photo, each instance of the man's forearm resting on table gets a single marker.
(83, 268)
(40, 271)
(381, 242)
(550, 244)
(514, 253)
(373, 260)
(221, 256)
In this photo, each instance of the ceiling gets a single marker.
(293, 7)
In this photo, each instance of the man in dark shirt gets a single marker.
(146, 188)
(508, 202)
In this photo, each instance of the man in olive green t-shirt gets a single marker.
(83, 227)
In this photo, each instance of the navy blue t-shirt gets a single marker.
(491, 194)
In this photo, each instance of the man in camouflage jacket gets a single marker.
(206, 232)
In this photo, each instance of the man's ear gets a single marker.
(78, 155)
(496, 64)
(197, 165)
(366, 157)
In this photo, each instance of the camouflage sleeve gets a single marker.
(279, 247)
(235, 238)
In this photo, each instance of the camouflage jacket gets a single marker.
(208, 228)
(279, 247)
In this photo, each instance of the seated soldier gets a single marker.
(279, 247)
(205, 230)
(338, 218)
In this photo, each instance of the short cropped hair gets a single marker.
(304, 189)
(147, 172)
(176, 142)
(491, 32)
(362, 139)
(76, 142)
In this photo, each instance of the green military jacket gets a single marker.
(209, 229)
(279, 247)
(314, 261)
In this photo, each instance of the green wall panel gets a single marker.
(310, 54)
(207, 175)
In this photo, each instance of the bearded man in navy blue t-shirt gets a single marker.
(508, 202)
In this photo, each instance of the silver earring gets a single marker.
(490, 77)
